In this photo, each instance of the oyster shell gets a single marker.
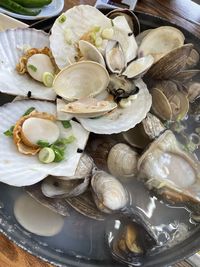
(131, 18)
(77, 80)
(139, 67)
(89, 107)
(90, 52)
(122, 119)
(109, 194)
(20, 170)
(12, 43)
(160, 41)
(79, 21)
(164, 167)
(55, 204)
(114, 56)
(122, 161)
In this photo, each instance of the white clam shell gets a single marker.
(12, 45)
(79, 20)
(122, 119)
(20, 170)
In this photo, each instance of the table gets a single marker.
(184, 13)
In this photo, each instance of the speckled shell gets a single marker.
(12, 46)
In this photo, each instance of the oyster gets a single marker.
(77, 80)
(109, 194)
(143, 133)
(90, 52)
(171, 172)
(122, 119)
(139, 67)
(70, 27)
(89, 107)
(10, 81)
(20, 170)
(114, 56)
(160, 41)
(131, 18)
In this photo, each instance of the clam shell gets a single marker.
(77, 80)
(80, 20)
(122, 119)
(185, 75)
(12, 45)
(141, 36)
(160, 41)
(60, 115)
(21, 170)
(57, 205)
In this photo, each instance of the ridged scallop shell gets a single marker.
(122, 119)
(82, 18)
(12, 45)
(20, 170)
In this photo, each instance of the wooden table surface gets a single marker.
(185, 13)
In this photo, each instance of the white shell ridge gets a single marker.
(21, 170)
(12, 45)
(122, 119)
(79, 20)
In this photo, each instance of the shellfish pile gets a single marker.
(100, 75)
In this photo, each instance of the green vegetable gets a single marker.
(42, 143)
(17, 8)
(59, 153)
(47, 79)
(32, 67)
(33, 3)
(28, 111)
(66, 124)
(46, 155)
(9, 132)
(62, 18)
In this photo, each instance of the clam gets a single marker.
(185, 75)
(168, 102)
(193, 91)
(109, 194)
(82, 79)
(114, 56)
(171, 63)
(193, 59)
(143, 133)
(90, 52)
(171, 172)
(122, 161)
(89, 108)
(160, 41)
(85, 205)
(60, 115)
(139, 67)
(141, 36)
(131, 18)
(55, 204)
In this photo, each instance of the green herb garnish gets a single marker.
(59, 153)
(32, 67)
(9, 132)
(42, 143)
(112, 23)
(28, 111)
(66, 124)
(62, 18)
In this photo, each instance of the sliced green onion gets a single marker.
(66, 124)
(46, 155)
(59, 153)
(98, 41)
(42, 143)
(96, 28)
(28, 111)
(112, 23)
(32, 67)
(9, 132)
(47, 79)
(62, 18)
(70, 139)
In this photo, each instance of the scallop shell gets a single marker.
(122, 119)
(12, 45)
(20, 170)
(82, 18)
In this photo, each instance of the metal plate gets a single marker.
(47, 249)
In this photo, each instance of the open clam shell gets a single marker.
(12, 46)
(77, 80)
(20, 170)
(160, 41)
(122, 119)
(70, 27)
